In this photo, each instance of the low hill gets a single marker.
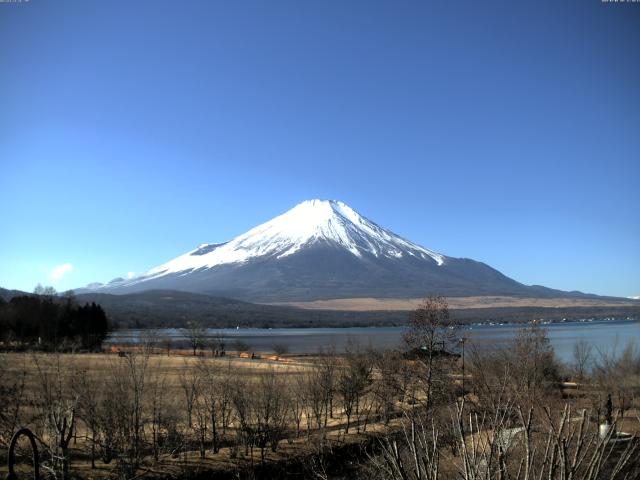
(175, 309)
(166, 308)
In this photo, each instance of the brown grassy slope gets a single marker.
(391, 304)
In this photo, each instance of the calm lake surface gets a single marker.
(603, 335)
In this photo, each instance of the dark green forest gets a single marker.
(47, 321)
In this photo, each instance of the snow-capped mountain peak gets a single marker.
(320, 249)
(313, 221)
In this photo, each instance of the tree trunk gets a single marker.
(214, 435)
(93, 449)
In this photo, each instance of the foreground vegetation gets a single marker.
(420, 414)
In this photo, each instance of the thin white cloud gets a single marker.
(131, 274)
(60, 271)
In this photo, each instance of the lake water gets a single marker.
(603, 335)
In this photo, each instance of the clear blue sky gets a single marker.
(507, 132)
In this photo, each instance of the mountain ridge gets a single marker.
(323, 249)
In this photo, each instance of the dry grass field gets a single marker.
(393, 304)
(178, 381)
(96, 366)
(362, 414)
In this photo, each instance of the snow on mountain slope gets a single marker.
(322, 250)
(311, 221)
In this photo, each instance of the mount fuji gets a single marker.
(322, 249)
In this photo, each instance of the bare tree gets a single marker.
(262, 411)
(128, 387)
(353, 379)
(226, 381)
(216, 398)
(197, 402)
(110, 415)
(315, 397)
(390, 385)
(618, 373)
(271, 408)
(582, 358)
(414, 455)
(535, 367)
(431, 338)
(202, 414)
(167, 344)
(298, 396)
(241, 398)
(524, 446)
(12, 398)
(58, 405)
(46, 291)
(280, 349)
(494, 381)
(217, 344)
(159, 412)
(195, 334)
(89, 392)
(326, 378)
